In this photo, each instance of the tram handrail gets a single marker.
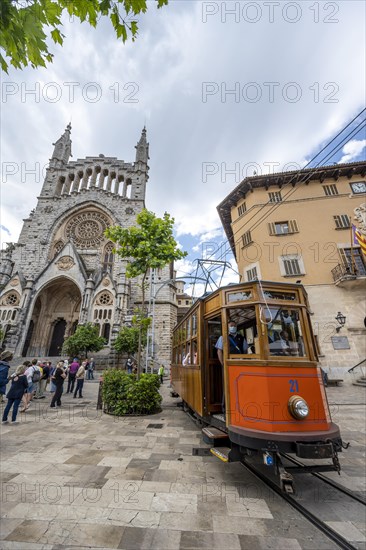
(358, 364)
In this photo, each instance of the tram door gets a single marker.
(213, 369)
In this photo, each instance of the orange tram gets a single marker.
(245, 365)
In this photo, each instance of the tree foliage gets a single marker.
(124, 394)
(148, 245)
(26, 25)
(85, 338)
(127, 340)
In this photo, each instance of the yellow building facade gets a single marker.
(297, 226)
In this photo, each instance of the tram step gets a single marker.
(214, 436)
(222, 453)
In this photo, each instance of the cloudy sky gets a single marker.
(224, 88)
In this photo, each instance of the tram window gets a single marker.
(194, 324)
(190, 357)
(284, 332)
(246, 323)
(214, 333)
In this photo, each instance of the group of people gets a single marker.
(30, 380)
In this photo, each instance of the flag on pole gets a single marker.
(359, 239)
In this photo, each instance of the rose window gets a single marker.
(87, 230)
(105, 299)
(11, 299)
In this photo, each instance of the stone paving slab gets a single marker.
(74, 478)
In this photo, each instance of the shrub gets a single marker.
(125, 394)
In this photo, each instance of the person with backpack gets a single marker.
(43, 381)
(33, 374)
(19, 384)
(5, 357)
(58, 378)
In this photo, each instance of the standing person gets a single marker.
(72, 370)
(33, 374)
(80, 377)
(161, 373)
(58, 378)
(237, 345)
(5, 357)
(91, 367)
(43, 381)
(129, 365)
(19, 384)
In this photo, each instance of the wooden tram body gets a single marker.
(257, 414)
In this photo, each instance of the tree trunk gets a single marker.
(139, 352)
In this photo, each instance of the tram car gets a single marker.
(245, 365)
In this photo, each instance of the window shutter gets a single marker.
(272, 229)
(292, 225)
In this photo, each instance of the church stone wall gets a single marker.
(63, 258)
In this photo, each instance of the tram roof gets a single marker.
(233, 286)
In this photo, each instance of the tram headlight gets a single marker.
(298, 407)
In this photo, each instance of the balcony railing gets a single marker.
(343, 273)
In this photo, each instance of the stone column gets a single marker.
(85, 305)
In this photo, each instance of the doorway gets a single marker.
(58, 337)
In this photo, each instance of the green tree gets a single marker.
(85, 338)
(25, 26)
(148, 245)
(127, 340)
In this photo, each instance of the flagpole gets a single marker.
(352, 256)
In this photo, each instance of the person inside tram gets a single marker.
(237, 342)
(284, 342)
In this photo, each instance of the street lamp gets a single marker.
(341, 320)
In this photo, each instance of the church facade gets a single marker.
(62, 271)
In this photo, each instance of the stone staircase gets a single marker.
(101, 363)
(360, 382)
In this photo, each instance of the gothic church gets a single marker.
(62, 271)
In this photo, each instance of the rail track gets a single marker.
(333, 535)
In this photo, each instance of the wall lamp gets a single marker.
(341, 320)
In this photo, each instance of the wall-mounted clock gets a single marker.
(358, 187)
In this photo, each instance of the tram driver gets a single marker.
(238, 343)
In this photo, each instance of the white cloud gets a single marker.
(174, 55)
(353, 149)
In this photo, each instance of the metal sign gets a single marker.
(340, 342)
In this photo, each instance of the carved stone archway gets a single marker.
(55, 313)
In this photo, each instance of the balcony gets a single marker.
(348, 276)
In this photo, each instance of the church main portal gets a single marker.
(54, 318)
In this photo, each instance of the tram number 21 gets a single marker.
(294, 386)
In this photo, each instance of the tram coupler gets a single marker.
(286, 479)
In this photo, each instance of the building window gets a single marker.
(353, 261)
(291, 266)
(108, 257)
(275, 196)
(283, 228)
(342, 221)
(247, 238)
(330, 189)
(242, 208)
(252, 274)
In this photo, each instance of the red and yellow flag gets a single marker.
(359, 239)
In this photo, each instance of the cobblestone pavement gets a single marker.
(76, 478)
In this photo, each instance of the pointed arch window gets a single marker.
(108, 257)
(57, 248)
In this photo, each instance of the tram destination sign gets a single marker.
(340, 342)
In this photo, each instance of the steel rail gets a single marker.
(330, 533)
(331, 482)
